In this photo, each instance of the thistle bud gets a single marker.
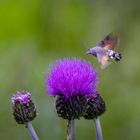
(95, 107)
(24, 109)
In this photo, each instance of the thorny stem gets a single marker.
(98, 128)
(70, 130)
(32, 131)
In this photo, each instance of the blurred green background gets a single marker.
(34, 33)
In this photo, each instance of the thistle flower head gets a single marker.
(72, 81)
(23, 108)
(72, 77)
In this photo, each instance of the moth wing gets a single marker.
(109, 42)
(103, 60)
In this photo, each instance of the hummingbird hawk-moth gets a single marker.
(105, 50)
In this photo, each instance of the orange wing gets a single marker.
(109, 42)
(103, 60)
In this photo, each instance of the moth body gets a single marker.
(105, 50)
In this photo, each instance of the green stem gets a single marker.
(70, 130)
(32, 131)
(98, 128)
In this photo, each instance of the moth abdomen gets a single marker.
(114, 55)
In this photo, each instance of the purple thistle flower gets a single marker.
(72, 77)
(73, 81)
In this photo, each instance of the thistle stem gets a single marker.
(32, 131)
(98, 128)
(70, 130)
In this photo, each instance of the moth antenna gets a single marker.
(85, 44)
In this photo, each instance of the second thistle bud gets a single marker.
(95, 107)
(24, 109)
